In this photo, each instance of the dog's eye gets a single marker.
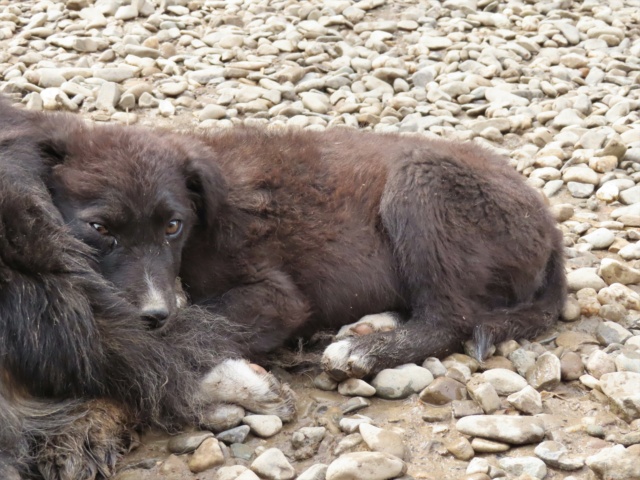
(101, 229)
(174, 227)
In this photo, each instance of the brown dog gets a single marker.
(274, 235)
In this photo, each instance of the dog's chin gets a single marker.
(153, 324)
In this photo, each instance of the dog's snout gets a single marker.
(155, 315)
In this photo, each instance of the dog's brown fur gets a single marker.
(285, 233)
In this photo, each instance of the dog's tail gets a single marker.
(91, 435)
(527, 319)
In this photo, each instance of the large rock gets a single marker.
(616, 463)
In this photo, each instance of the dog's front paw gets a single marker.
(87, 447)
(342, 360)
(240, 383)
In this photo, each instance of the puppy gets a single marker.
(82, 361)
(271, 236)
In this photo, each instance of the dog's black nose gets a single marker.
(155, 316)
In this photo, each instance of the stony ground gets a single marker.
(555, 85)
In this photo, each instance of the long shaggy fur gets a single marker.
(66, 333)
(285, 234)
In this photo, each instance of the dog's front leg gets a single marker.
(264, 312)
(238, 382)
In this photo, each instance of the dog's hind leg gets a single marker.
(477, 254)
(359, 356)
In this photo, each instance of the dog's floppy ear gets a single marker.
(58, 134)
(205, 182)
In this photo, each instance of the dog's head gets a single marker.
(135, 196)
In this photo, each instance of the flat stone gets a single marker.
(503, 428)
(366, 466)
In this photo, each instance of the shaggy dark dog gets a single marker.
(274, 235)
(79, 364)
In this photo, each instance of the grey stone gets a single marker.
(234, 435)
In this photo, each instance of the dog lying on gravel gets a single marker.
(138, 269)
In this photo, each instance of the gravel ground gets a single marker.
(555, 85)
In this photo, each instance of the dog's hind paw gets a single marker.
(342, 360)
(88, 447)
(380, 322)
(238, 382)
